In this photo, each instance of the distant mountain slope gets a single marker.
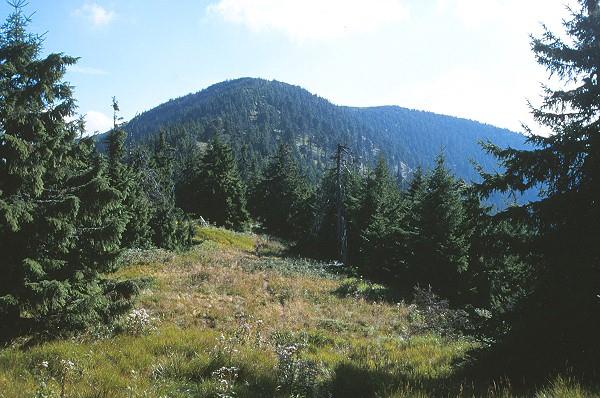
(255, 114)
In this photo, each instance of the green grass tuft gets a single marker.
(226, 238)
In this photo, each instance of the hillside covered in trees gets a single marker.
(256, 115)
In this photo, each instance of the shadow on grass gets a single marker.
(354, 380)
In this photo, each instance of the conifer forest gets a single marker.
(253, 239)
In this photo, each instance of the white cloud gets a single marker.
(517, 15)
(87, 70)
(97, 122)
(312, 19)
(96, 14)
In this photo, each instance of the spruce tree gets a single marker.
(221, 192)
(127, 180)
(324, 240)
(282, 196)
(382, 216)
(189, 183)
(59, 224)
(168, 225)
(441, 233)
(558, 320)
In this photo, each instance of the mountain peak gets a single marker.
(255, 115)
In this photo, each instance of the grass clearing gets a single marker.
(227, 321)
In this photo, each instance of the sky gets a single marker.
(466, 58)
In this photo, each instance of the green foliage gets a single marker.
(169, 226)
(226, 237)
(564, 244)
(421, 236)
(382, 215)
(324, 241)
(360, 288)
(220, 193)
(440, 233)
(60, 224)
(281, 198)
(127, 179)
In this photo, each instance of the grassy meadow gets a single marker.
(233, 317)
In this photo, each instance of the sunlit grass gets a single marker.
(284, 327)
(226, 237)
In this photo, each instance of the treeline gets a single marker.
(429, 231)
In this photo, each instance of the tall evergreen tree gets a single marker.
(440, 243)
(382, 218)
(59, 224)
(221, 193)
(559, 319)
(324, 238)
(169, 229)
(189, 182)
(137, 209)
(282, 196)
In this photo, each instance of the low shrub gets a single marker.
(431, 314)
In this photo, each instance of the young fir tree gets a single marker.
(440, 231)
(169, 228)
(557, 324)
(59, 217)
(187, 188)
(221, 193)
(127, 180)
(282, 196)
(382, 218)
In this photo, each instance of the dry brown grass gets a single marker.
(211, 287)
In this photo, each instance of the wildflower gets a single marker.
(226, 377)
(67, 365)
(138, 321)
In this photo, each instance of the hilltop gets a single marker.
(254, 115)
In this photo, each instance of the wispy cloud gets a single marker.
(96, 14)
(97, 122)
(312, 19)
(87, 70)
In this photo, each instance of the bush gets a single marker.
(430, 313)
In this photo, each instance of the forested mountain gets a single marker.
(255, 115)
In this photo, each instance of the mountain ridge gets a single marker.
(254, 115)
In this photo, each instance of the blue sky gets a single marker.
(467, 58)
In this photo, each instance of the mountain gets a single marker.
(254, 115)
